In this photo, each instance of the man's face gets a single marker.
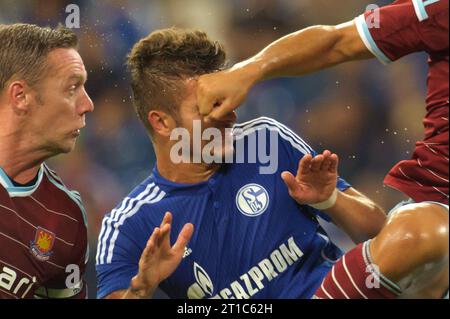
(189, 115)
(58, 111)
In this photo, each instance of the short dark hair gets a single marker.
(159, 61)
(24, 49)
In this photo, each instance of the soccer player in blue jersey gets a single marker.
(202, 229)
(412, 250)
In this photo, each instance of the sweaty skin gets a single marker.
(418, 234)
(412, 249)
(309, 50)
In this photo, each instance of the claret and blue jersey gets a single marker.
(251, 239)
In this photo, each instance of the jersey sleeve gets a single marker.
(118, 254)
(404, 27)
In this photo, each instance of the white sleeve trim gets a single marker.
(419, 8)
(368, 40)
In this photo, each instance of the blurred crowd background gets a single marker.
(368, 113)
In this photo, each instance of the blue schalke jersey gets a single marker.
(251, 239)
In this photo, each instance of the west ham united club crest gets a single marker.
(42, 245)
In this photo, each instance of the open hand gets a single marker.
(159, 259)
(316, 178)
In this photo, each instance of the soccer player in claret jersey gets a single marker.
(43, 235)
(411, 252)
(252, 239)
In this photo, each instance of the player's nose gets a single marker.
(86, 104)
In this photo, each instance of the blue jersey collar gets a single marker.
(211, 182)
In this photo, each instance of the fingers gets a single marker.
(183, 238)
(160, 236)
(166, 220)
(205, 104)
(151, 243)
(326, 162)
(290, 182)
(334, 163)
(330, 162)
(220, 111)
(205, 100)
(304, 165)
(316, 163)
(164, 238)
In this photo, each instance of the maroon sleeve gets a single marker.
(404, 27)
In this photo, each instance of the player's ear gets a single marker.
(161, 122)
(19, 96)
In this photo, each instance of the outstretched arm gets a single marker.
(296, 54)
(405, 27)
(315, 185)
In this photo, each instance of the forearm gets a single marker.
(357, 215)
(306, 51)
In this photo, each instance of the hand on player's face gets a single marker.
(316, 178)
(219, 94)
(189, 112)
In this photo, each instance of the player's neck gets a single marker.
(184, 173)
(20, 156)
